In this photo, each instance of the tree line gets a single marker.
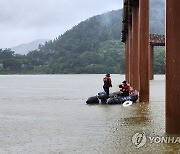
(93, 46)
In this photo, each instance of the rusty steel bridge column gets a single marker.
(130, 56)
(172, 67)
(144, 49)
(151, 62)
(135, 51)
(127, 57)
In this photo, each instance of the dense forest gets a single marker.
(92, 46)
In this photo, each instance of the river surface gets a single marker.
(47, 114)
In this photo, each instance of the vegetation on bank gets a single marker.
(93, 46)
(111, 60)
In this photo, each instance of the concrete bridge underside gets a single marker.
(139, 54)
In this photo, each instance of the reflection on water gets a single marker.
(48, 114)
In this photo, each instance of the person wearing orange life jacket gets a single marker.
(107, 83)
(125, 88)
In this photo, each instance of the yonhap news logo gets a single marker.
(140, 139)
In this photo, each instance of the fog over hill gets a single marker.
(92, 46)
(157, 16)
(25, 48)
(157, 25)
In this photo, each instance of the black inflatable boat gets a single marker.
(112, 99)
(122, 99)
(101, 97)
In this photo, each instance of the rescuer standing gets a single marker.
(107, 83)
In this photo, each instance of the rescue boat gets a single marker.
(113, 98)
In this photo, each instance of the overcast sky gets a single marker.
(23, 21)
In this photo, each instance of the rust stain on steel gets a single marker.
(135, 53)
(172, 67)
(144, 48)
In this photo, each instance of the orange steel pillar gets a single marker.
(151, 62)
(144, 49)
(135, 53)
(172, 67)
(127, 57)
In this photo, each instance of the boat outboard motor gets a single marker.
(92, 100)
(103, 97)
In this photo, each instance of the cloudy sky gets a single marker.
(23, 21)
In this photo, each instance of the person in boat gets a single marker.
(107, 83)
(124, 88)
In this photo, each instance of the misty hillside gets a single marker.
(102, 28)
(25, 48)
(92, 46)
(157, 16)
(95, 45)
(157, 25)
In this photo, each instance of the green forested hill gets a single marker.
(92, 46)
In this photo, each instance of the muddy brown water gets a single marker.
(47, 114)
